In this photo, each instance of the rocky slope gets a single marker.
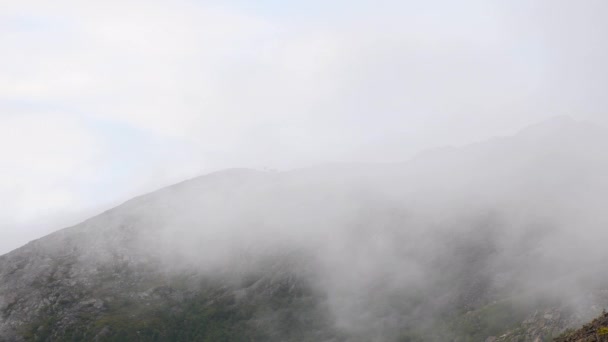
(470, 244)
(596, 331)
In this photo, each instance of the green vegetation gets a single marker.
(197, 320)
(490, 320)
(277, 310)
(147, 306)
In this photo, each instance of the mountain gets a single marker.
(596, 331)
(459, 244)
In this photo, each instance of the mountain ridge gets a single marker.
(414, 251)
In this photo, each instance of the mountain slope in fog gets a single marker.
(457, 244)
(595, 331)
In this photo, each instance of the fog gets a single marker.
(387, 246)
(102, 101)
(405, 160)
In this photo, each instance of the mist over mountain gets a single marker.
(457, 244)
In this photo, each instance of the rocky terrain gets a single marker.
(596, 331)
(497, 241)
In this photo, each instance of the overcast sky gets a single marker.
(103, 100)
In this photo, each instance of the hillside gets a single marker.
(497, 241)
(595, 331)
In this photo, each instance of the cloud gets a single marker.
(210, 84)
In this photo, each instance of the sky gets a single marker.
(104, 100)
